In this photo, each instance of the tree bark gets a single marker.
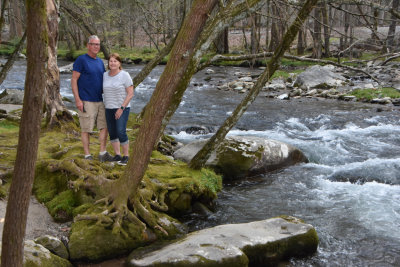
(327, 34)
(199, 160)
(392, 29)
(181, 55)
(16, 28)
(221, 42)
(317, 41)
(28, 140)
(2, 12)
(55, 108)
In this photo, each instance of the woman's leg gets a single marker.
(121, 131)
(112, 130)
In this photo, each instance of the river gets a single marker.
(349, 191)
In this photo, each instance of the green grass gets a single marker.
(369, 94)
(8, 127)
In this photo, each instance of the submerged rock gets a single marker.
(257, 243)
(242, 156)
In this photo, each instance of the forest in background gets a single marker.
(334, 27)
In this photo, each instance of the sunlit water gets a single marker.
(349, 191)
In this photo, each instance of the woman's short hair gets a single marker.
(117, 57)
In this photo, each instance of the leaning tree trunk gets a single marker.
(54, 106)
(10, 61)
(28, 140)
(181, 56)
(231, 13)
(199, 160)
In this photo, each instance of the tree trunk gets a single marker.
(255, 37)
(301, 47)
(3, 10)
(267, 23)
(55, 108)
(317, 42)
(181, 55)
(16, 30)
(24, 169)
(221, 42)
(392, 29)
(10, 61)
(224, 17)
(346, 28)
(274, 29)
(327, 34)
(199, 160)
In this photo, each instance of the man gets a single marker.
(87, 87)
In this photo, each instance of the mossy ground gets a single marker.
(51, 187)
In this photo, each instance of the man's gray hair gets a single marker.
(91, 37)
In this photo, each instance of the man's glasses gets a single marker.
(93, 44)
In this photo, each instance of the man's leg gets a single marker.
(103, 139)
(85, 142)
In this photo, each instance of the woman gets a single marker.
(118, 92)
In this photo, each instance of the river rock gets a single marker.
(12, 96)
(35, 255)
(67, 68)
(53, 244)
(319, 77)
(260, 243)
(242, 156)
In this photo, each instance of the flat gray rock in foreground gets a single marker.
(254, 243)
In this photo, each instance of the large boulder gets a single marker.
(242, 156)
(55, 245)
(260, 243)
(319, 77)
(35, 255)
(12, 96)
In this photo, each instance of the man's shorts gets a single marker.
(94, 114)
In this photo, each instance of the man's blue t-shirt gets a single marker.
(90, 82)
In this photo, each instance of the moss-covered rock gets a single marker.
(94, 242)
(35, 255)
(54, 245)
(242, 156)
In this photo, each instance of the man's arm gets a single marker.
(74, 85)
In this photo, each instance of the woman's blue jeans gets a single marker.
(117, 128)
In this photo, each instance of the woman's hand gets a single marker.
(118, 113)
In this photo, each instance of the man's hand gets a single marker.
(79, 105)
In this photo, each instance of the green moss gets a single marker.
(8, 127)
(62, 205)
(369, 94)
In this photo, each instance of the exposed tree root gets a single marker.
(115, 207)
